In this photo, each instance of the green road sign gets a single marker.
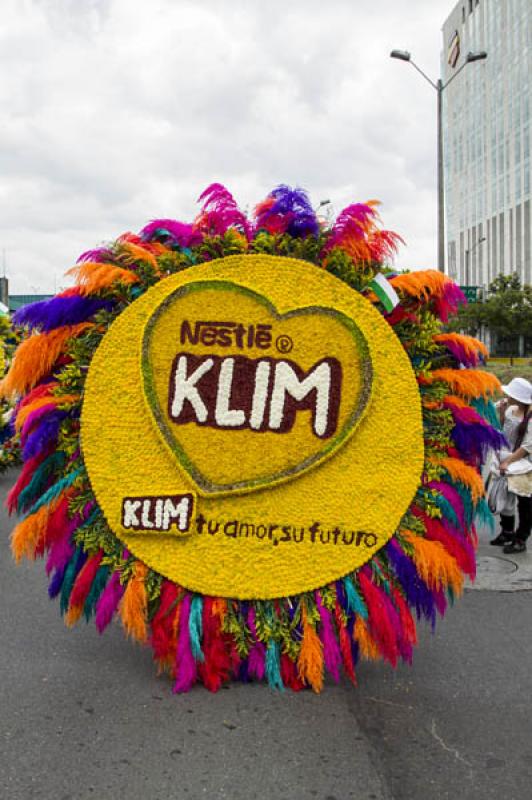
(471, 293)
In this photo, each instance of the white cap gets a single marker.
(519, 389)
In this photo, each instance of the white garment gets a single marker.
(516, 482)
(510, 429)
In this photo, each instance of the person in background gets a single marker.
(515, 415)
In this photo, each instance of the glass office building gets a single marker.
(487, 124)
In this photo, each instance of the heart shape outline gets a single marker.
(205, 486)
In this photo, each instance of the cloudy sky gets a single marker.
(118, 111)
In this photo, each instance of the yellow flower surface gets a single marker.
(266, 393)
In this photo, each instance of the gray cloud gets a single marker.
(118, 111)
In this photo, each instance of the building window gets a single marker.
(526, 226)
(463, 13)
(518, 241)
(501, 242)
(470, 6)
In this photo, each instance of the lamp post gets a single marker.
(467, 257)
(439, 86)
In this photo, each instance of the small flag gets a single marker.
(384, 291)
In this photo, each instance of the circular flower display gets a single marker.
(253, 442)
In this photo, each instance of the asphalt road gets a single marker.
(85, 717)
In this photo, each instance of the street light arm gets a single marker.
(455, 75)
(470, 58)
(404, 55)
(434, 85)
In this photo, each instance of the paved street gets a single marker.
(84, 716)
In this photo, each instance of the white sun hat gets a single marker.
(519, 389)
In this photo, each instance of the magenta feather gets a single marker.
(220, 212)
(170, 231)
(451, 299)
(186, 669)
(108, 602)
(352, 221)
(100, 254)
(469, 358)
(257, 654)
(331, 651)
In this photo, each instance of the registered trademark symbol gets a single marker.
(284, 343)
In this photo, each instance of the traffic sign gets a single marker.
(472, 293)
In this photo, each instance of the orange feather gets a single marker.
(92, 277)
(134, 605)
(36, 356)
(310, 659)
(438, 569)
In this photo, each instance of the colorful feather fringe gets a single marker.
(291, 642)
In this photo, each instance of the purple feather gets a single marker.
(418, 595)
(243, 671)
(45, 434)
(170, 230)
(292, 210)
(108, 602)
(475, 440)
(49, 314)
(56, 583)
(34, 418)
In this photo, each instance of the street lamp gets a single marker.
(439, 86)
(467, 256)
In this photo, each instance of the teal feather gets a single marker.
(98, 585)
(354, 601)
(41, 476)
(484, 515)
(446, 508)
(195, 627)
(273, 665)
(486, 409)
(467, 500)
(54, 491)
(93, 516)
(68, 580)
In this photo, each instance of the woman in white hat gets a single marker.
(516, 419)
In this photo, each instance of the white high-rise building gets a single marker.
(487, 123)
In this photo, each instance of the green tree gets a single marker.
(506, 310)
